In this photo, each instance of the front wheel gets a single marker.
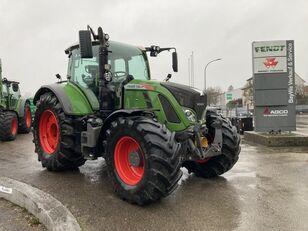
(218, 165)
(142, 159)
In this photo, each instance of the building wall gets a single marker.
(306, 90)
(299, 85)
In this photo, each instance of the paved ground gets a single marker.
(14, 218)
(302, 124)
(266, 190)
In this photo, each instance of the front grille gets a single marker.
(169, 110)
(188, 97)
(199, 105)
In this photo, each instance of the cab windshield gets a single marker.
(124, 59)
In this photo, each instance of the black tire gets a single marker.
(7, 131)
(24, 125)
(162, 161)
(218, 165)
(66, 155)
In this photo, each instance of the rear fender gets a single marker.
(72, 100)
(22, 104)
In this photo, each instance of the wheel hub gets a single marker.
(129, 160)
(135, 158)
(14, 127)
(49, 132)
(28, 118)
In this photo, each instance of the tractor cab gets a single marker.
(127, 63)
(10, 93)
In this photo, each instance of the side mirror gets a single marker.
(85, 44)
(175, 61)
(15, 87)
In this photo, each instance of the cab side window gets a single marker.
(4, 91)
(85, 72)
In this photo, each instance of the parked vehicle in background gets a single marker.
(242, 119)
(300, 109)
(15, 112)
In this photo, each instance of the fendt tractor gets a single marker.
(145, 130)
(15, 113)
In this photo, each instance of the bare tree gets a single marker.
(248, 92)
(213, 95)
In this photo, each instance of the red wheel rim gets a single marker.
(14, 127)
(203, 161)
(28, 117)
(49, 132)
(129, 174)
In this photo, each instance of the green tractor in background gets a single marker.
(15, 113)
(32, 107)
(145, 130)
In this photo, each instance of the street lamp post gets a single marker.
(214, 60)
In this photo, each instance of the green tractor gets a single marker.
(145, 130)
(15, 113)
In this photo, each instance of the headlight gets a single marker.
(190, 115)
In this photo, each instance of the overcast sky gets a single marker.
(34, 34)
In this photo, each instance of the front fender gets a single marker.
(124, 113)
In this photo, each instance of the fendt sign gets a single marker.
(274, 85)
(270, 58)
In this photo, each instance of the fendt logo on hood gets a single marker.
(270, 62)
(271, 112)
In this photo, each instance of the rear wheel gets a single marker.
(54, 136)
(142, 159)
(26, 121)
(218, 165)
(8, 126)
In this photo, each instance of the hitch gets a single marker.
(194, 137)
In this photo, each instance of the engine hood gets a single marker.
(188, 97)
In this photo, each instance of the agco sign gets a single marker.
(271, 112)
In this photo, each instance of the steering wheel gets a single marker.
(87, 79)
(119, 74)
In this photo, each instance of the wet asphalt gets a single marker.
(266, 190)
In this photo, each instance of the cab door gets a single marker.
(13, 96)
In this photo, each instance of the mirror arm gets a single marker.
(95, 37)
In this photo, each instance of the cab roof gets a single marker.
(95, 43)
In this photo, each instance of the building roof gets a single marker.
(297, 75)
